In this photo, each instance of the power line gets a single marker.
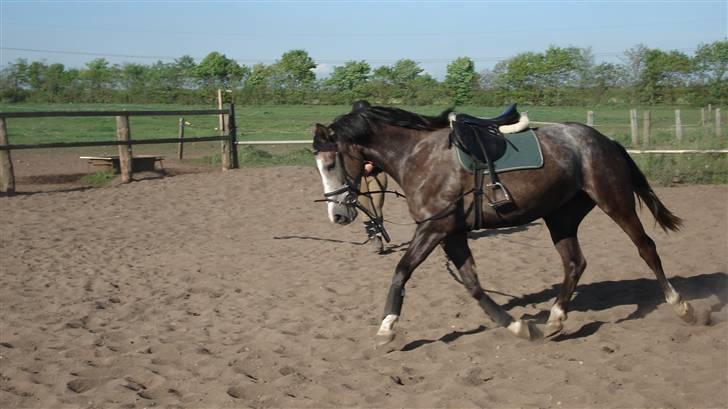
(88, 53)
(248, 60)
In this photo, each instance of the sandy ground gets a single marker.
(229, 290)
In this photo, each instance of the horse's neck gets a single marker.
(394, 151)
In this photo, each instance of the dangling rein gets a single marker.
(348, 203)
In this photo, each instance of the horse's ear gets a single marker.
(360, 104)
(321, 132)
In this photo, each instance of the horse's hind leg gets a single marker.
(621, 208)
(563, 225)
(456, 247)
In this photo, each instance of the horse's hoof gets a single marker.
(385, 337)
(525, 330)
(552, 328)
(685, 311)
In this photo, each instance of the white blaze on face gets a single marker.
(330, 178)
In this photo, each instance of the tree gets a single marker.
(634, 59)
(292, 77)
(662, 73)
(297, 66)
(218, 71)
(258, 85)
(134, 79)
(397, 81)
(98, 78)
(711, 66)
(519, 78)
(460, 80)
(350, 79)
(606, 76)
(56, 81)
(13, 79)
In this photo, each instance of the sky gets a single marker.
(433, 33)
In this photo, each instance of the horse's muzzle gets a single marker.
(343, 215)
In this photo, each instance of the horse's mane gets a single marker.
(359, 124)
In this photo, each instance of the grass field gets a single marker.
(295, 122)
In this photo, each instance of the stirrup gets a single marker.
(501, 198)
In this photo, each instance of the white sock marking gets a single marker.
(557, 314)
(388, 324)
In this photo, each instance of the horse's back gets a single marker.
(570, 151)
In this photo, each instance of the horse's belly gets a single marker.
(532, 202)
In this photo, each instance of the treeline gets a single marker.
(557, 76)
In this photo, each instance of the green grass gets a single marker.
(98, 179)
(686, 168)
(281, 122)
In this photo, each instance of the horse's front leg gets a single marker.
(426, 238)
(456, 248)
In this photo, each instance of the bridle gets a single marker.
(350, 199)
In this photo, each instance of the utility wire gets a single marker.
(318, 60)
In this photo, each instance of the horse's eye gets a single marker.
(330, 166)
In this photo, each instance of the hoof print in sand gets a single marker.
(82, 385)
(237, 392)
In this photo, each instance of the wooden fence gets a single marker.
(228, 137)
(679, 127)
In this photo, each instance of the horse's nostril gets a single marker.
(338, 218)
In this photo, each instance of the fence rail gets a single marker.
(48, 114)
(123, 134)
(111, 143)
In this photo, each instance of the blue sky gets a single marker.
(431, 32)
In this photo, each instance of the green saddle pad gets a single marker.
(526, 154)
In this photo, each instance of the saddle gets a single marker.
(482, 139)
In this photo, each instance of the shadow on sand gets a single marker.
(644, 293)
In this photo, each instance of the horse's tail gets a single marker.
(663, 216)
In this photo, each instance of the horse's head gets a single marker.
(340, 166)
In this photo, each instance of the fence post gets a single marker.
(226, 148)
(7, 176)
(647, 128)
(181, 134)
(718, 127)
(221, 118)
(590, 118)
(710, 111)
(233, 132)
(702, 117)
(123, 133)
(634, 127)
(678, 126)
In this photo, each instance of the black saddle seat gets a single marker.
(508, 117)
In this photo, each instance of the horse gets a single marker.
(582, 168)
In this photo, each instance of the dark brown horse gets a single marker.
(582, 168)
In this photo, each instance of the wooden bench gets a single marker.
(110, 163)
